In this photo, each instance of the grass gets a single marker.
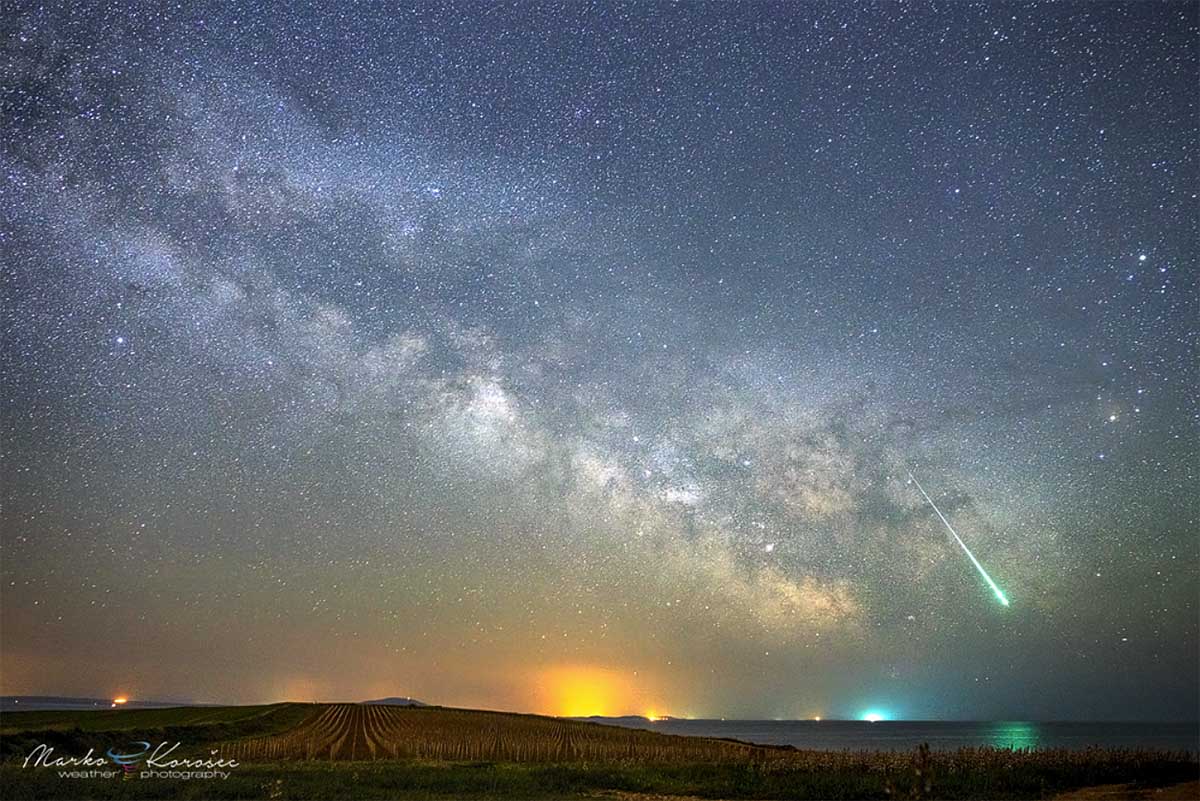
(304, 751)
(409, 780)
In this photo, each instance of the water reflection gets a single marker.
(1013, 734)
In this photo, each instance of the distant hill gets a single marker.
(33, 703)
(396, 700)
(17, 703)
(625, 720)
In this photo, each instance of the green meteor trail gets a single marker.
(995, 589)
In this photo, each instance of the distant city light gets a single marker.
(120, 700)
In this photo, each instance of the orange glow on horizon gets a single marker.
(120, 699)
(579, 691)
(582, 691)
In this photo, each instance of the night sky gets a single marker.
(571, 358)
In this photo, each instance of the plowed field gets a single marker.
(364, 732)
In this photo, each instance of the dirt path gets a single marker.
(1188, 791)
(622, 795)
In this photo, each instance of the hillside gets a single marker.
(357, 731)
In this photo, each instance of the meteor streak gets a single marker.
(999, 594)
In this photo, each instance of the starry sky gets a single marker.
(571, 357)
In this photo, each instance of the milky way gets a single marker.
(449, 351)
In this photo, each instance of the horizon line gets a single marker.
(172, 702)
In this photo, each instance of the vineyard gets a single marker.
(341, 732)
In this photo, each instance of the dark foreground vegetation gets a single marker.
(301, 751)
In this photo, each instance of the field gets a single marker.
(359, 751)
(341, 732)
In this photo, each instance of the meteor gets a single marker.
(999, 594)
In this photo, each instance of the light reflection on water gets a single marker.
(851, 735)
(1013, 734)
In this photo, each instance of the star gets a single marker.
(552, 358)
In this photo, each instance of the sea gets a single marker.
(853, 735)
